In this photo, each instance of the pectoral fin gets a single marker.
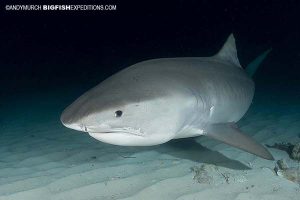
(230, 134)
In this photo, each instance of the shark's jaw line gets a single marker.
(126, 130)
(121, 136)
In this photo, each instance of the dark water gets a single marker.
(66, 54)
(49, 59)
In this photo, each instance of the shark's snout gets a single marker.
(74, 127)
(65, 118)
(68, 122)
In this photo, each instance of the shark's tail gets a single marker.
(253, 66)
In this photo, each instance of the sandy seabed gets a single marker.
(41, 159)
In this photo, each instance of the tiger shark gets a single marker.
(157, 100)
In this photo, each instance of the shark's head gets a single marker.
(127, 111)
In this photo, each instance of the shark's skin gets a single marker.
(154, 101)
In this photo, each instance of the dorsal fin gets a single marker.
(228, 52)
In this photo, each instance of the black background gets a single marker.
(53, 49)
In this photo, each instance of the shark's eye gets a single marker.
(118, 113)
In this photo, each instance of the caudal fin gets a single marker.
(253, 66)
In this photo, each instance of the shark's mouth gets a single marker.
(125, 130)
(121, 136)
